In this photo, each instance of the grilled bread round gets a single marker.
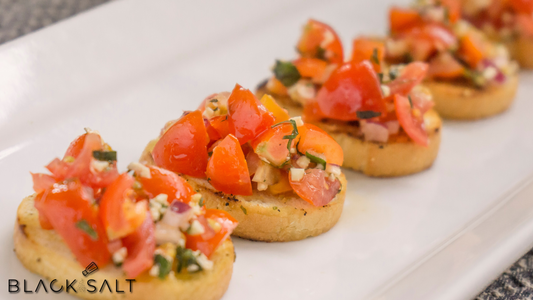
(462, 101)
(520, 49)
(43, 252)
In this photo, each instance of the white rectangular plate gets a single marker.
(129, 66)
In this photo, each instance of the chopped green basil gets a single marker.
(164, 265)
(476, 77)
(185, 258)
(84, 226)
(201, 203)
(315, 159)
(320, 53)
(292, 136)
(367, 114)
(286, 73)
(244, 210)
(274, 208)
(105, 155)
(393, 74)
(380, 76)
(374, 56)
(410, 100)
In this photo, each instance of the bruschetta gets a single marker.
(381, 118)
(148, 232)
(508, 22)
(279, 177)
(470, 76)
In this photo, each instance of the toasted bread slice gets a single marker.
(462, 101)
(43, 252)
(266, 217)
(520, 50)
(397, 157)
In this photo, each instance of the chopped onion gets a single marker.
(165, 233)
(499, 77)
(375, 132)
(178, 214)
(393, 126)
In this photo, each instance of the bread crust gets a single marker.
(267, 217)
(43, 252)
(397, 157)
(521, 49)
(466, 102)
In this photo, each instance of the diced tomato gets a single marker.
(272, 146)
(253, 161)
(114, 246)
(276, 87)
(73, 215)
(411, 76)
(76, 146)
(221, 125)
(412, 124)
(209, 245)
(42, 182)
(453, 8)
(522, 6)
(315, 187)
(162, 181)
(421, 99)
(43, 220)
(58, 168)
(201, 241)
(81, 167)
(119, 213)
(428, 38)
(309, 67)
(317, 140)
(472, 50)
(201, 108)
(141, 247)
(247, 116)
(403, 18)
(280, 114)
(282, 186)
(445, 66)
(183, 147)
(525, 24)
(227, 170)
(321, 41)
(312, 112)
(211, 131)
(364, 48)
(351, 88)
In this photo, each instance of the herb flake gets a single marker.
(244, 210)
(315, 159)
(105, 155)
(374, 58)
(164, 265)
(292, 136)
(185, 257)
(84, 226)
(286, 73)
(367, 114)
